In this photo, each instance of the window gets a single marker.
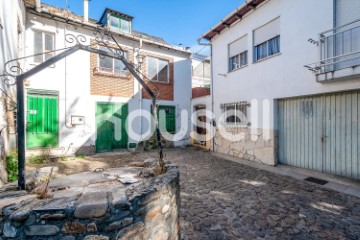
(267, 40)
(267, 48)
(235, 114)
(238, 53)
(238, 61)
(44, 42)
(111, 65)
(119, 23)
(158, 69)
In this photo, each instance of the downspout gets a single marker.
(65, 92)
(211, 87)
(140, 92)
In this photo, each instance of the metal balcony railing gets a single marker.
(339, 49)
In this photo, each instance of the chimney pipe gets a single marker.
(86, 10)
(38, 5)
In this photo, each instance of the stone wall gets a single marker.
(253, 146)
(97, 209)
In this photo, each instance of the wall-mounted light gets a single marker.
(140, 59)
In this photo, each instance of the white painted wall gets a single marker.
(71, 78)
(281, 76)
(12, 18)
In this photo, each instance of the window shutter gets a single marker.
(238, 46)
(347, 11)
(266, 32)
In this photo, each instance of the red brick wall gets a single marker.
(105, 84)
(165, 90)
(200, 92)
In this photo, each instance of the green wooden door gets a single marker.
(42, 128)
(110, 124)
(170, 118)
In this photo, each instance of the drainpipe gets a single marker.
(86, 10)
(38, 5)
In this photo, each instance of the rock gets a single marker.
(42, 230)
(20, 215)
(150, 162)
(9, 231)
(147, 173)
(119, 224)
(91, 205)
(57, 216)
(91, 227)
(73, 227)
(165, 209)
(96, 237)
(152, 213)
(68, 238)
(136, 164)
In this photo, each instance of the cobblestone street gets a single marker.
(226, 200)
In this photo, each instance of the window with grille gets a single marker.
(235, 114)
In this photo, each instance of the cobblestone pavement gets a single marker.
(226, 200)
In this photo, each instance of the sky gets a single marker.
(176, 21)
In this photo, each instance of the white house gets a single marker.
(289, 72)
(80, 104)
(12, 32)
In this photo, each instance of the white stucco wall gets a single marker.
(283, 75)
(71, 78)
(12, 18)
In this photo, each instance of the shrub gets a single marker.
(12, 166)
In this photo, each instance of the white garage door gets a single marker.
(321, 133)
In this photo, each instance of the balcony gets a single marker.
(339, 53)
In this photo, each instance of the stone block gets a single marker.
(91, 227)
(56, 216)
(41, 230)
(91, 205)
(9, 230)
(96, 237)
(119, 224)
(73, 227)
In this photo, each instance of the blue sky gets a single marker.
(177, 21)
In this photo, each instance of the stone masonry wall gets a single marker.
(252, 147)
(101, 210)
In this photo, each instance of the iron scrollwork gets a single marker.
(78, 39)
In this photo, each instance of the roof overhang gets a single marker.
(233, 17)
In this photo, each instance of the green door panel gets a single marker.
(110, 124)
(42, 128)
(170, 117)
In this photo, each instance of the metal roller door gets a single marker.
(321, 133)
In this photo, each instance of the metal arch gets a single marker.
(79, 41)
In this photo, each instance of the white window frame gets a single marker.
(157, 68)
(43, 44)
(115, 72)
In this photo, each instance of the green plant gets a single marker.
(63, 159)
(80, 156)
(12, 166)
